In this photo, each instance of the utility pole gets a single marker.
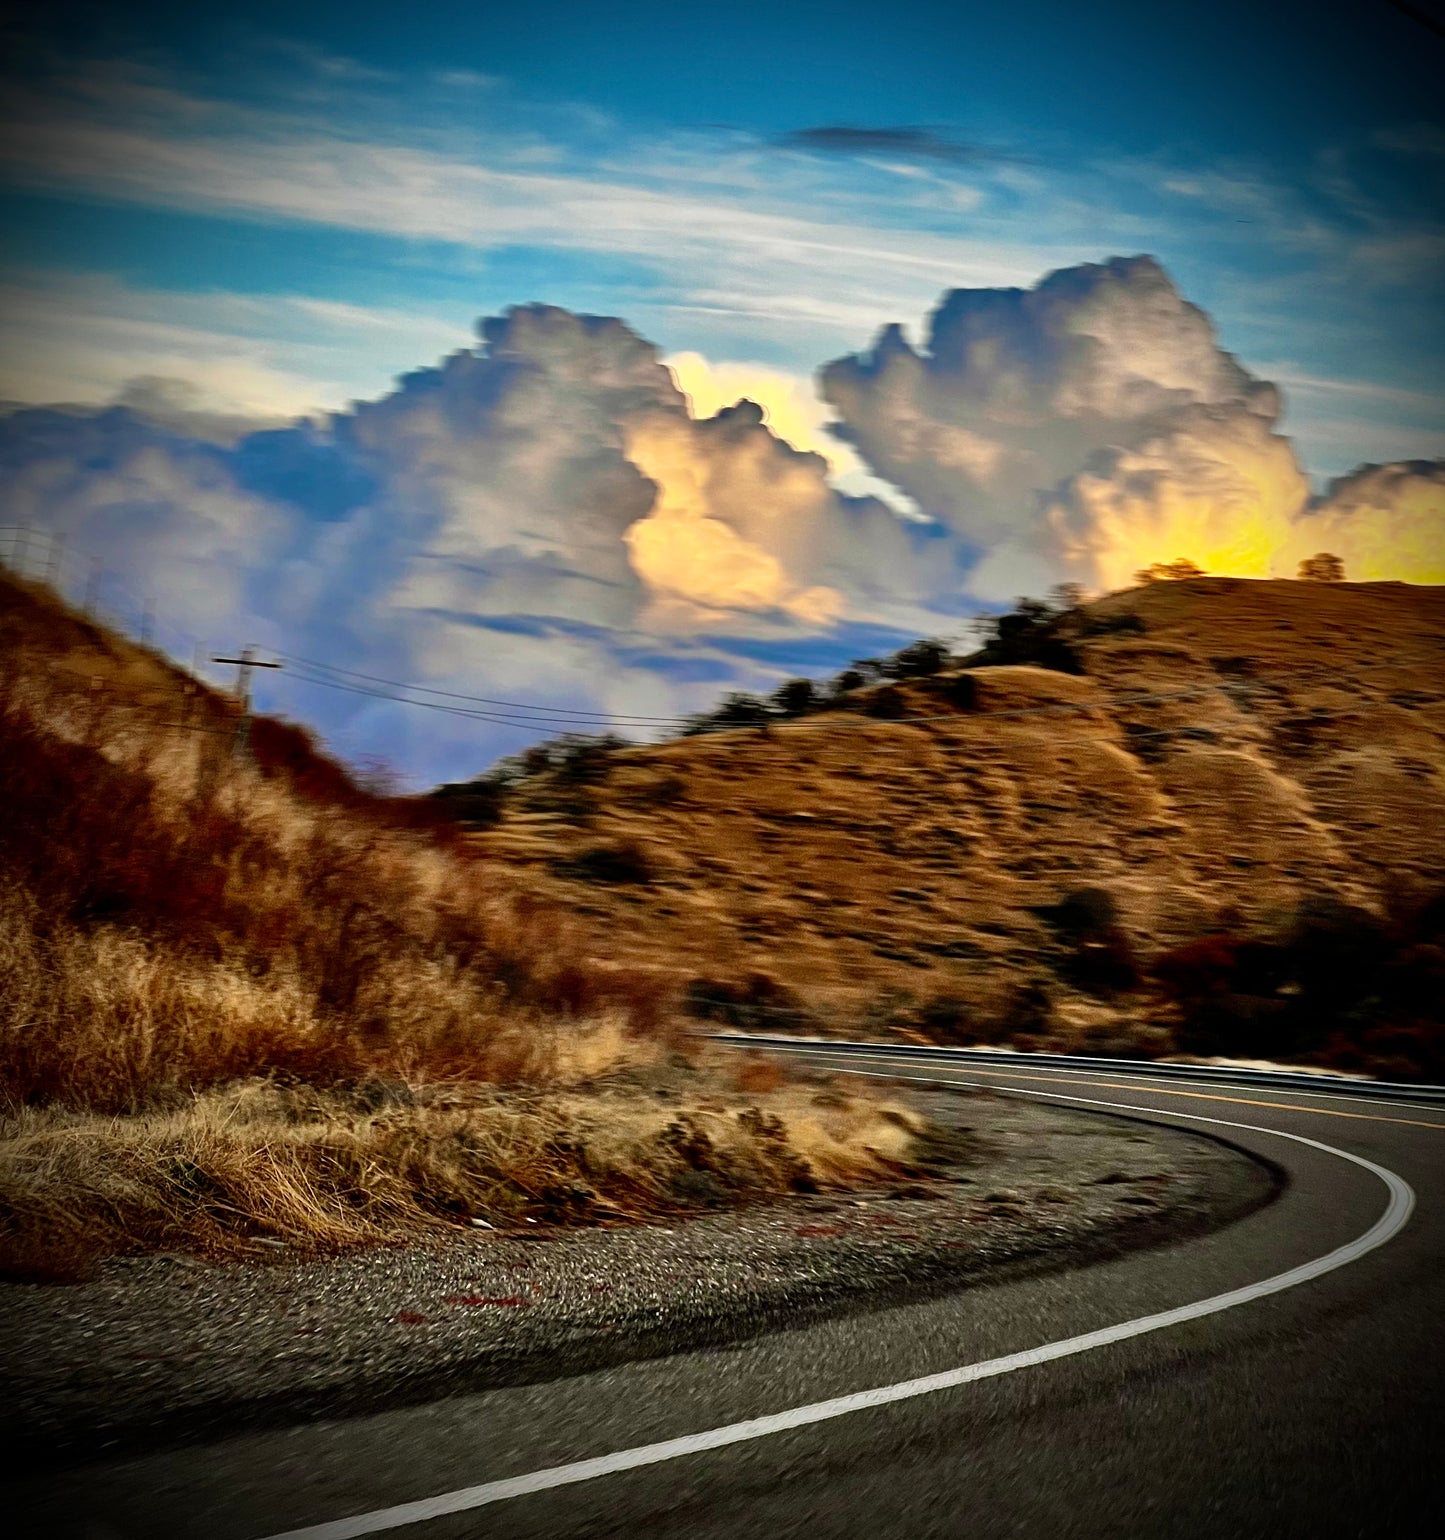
(244, 664)
(55, 561)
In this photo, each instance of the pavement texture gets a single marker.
(1313, 1412)
(169, 1349)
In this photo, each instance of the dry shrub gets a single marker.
(244, 1000)
(169, 921)
(757, 1073)
(757, 1003)
(1337, 986)
(326, 1170)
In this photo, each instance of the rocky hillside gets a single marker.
(1020, 848)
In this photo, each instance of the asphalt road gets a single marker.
(1315, 1410)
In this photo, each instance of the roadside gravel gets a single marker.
(168, 1349)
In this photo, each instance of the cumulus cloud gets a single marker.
(1222, 490)
(1383, 521)
(556, 515)
(1093, 425)
(1217, 485)
(1014, 389)
(792, 410)
(736, 513)
(790, 406)
(542, 512)
(117, 485)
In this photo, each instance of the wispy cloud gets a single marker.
(1361, 390)
(711, 225)
(265, 356)
(320, 178)
(913, 143)
(726, 245)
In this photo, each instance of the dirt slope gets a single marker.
(877, 866)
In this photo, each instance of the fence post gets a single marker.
(55, 561)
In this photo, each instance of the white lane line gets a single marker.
(1389, 1224)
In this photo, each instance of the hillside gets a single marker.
(245, 1003)
(1027, 859)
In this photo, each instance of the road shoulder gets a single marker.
(167, 1350)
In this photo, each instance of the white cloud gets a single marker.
(1015, 389)
(120, 489)
(544, 514)
(1216, 486)
(719, 227)
(539, 509)
(1383, 521)
(267, 357)
(1093, 426)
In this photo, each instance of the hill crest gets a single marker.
(1234, 750)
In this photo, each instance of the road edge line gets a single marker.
(1394, 1218)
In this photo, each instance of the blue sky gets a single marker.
(282, 208)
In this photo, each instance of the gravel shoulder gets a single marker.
(168, 1349)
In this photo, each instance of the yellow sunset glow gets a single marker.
(790, 408)
(684, 553)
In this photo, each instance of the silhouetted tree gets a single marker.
(918, 660)
(850, 679)
(795, 698)
(1323, 568)
(1067, 596)
(1169, 571)
(735, 710)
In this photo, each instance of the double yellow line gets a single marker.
(1156, 1090)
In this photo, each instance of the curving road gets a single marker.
(1281, 1377)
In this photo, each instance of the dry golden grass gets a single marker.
(171, 918)
(324, 1170)
(893, 875)
(250, 999)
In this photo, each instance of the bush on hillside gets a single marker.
(1045, 633)
(796, 698)
(757, 1003)
(1322, 568)
(1338, 986)
(569, 766)
(1169, 571)
(1035, 631)
(618, 862)
(477, 804)
(846, 682)
(1098, 954)
(887, 704)
(737, 709)
(918, 660)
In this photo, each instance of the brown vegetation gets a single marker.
(258, 1164)
(247, 995)
(1005, 848)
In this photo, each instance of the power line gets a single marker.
(484, 700)
(839, 713)
(537, 717)
(676, 721)
(542, 718)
